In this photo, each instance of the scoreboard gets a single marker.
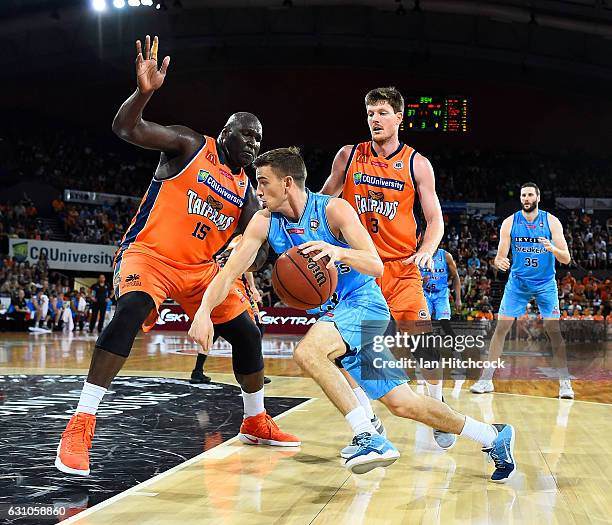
(446, 114)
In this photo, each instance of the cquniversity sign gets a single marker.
(64, 255)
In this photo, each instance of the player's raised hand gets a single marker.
(547, 244)
(326, 250)
(202, 330)
(422, 259)
(502, 263)
(148, 77)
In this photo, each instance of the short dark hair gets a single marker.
(531, 185)
(287, 161)
(386, 94)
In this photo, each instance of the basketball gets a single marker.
(301, 282)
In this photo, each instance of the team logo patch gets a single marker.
(376, 195)
(314, 225)
(379, 182)
(398, 165)
(214, 204)
(241, 183)
(423, 314)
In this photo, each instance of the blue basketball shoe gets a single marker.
(373, 450)
(349, 450)
(502, 454)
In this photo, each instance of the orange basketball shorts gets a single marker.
(185, 283)
(402, 287)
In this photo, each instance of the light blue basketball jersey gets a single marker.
(438, 279)
(531, 262)
(312, 226)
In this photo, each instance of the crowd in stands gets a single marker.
(20, 220)
(104, 224)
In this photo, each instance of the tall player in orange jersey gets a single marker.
(390, 185)
(199, 197)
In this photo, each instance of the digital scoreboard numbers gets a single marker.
(439, 114)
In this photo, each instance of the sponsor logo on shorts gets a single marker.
(133, 279)
(423, 314)
(379, 182)
(398, 165)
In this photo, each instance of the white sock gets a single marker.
(253, 403)
(359, 421)
(564, 373)
(364, 401)
(435, 391)
(487, 374)
(483, 433)
(91, 395)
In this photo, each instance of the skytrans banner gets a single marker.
(64, 255)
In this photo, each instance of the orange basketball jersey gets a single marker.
(383, 192)
(189, 217)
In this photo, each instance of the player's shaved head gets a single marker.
(243, 119)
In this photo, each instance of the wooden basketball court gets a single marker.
(563, 450)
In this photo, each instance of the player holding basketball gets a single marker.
(199, 196)
(536, 238)
(350, 320)
(388, 184)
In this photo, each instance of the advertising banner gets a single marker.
(64, 255)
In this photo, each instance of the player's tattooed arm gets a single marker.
(501, 259)
(128, 123)
(202, 329)
(250, 208)
(426, 188)
(558, 246)
(335, 182)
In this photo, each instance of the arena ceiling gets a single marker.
(567, 37)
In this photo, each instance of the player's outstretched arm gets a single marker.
(202, 330)
(344, 223)
(426, 188)
(452, 269)
(501, 259)
(558, 247)
(335, 182)
(250, 208)
(128, 123)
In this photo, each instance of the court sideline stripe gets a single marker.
(173, 470)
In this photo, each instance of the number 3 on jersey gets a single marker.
(200, 230)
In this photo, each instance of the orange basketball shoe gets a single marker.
(263, 430)
(73, 449)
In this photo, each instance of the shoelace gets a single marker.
(492, 455)
(363, 440)
(271, 423)
(77, 429)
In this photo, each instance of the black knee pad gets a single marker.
(244, 336)
(132, 309)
